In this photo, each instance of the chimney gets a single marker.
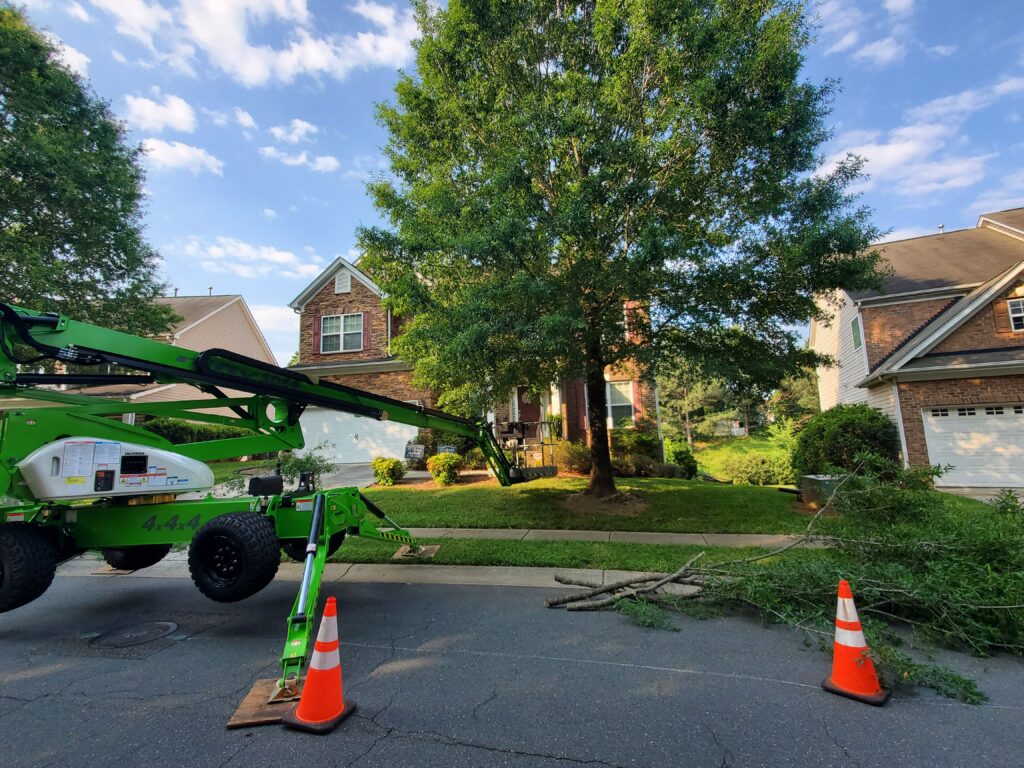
(175, 293)
(210, 290)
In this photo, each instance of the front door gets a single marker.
(528, 412)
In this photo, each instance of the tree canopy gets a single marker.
(577, 184)
(71, 196)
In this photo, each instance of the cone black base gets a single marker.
(326, 726)
(874, 699)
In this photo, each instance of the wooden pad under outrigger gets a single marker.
(258, 708)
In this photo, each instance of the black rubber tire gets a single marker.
(296, 548)
(233, 557)
(134, 558)
(28, 560)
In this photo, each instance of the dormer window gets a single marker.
(1015, 308)
(343, 282)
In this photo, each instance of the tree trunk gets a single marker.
(689, 433)
(602, 480)
(746, 421)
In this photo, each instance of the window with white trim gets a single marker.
(965, 412)
(1015, 308)
(341, 333)
(343, 282)
(620, 403)
(855, 330)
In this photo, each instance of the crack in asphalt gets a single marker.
(727, 755)
(841, 747)
(485, 702)
(439, 738)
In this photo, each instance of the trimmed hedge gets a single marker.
(834, 439)
(179, 431)
(444, 467)
(759, 469)
(572, 457)
(387, 471)
(680, 455)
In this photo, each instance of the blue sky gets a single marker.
(257, 117)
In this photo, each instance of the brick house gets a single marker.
(345, 336)
(940, 350)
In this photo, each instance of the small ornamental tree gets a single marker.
(839, 437)
(577, 184)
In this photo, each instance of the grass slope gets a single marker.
(713, 457)
(677, 506)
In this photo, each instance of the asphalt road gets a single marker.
(460, 676)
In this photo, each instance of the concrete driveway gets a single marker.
(460, 676)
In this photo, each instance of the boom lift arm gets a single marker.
(133, 520)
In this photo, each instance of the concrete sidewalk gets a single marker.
(625, 537)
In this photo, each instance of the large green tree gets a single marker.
(70, 194)
(554, 161)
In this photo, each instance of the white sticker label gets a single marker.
(77, 458)
(107, 454)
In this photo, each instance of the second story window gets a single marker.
(855, 329)
(1016, 309)
(341, 333)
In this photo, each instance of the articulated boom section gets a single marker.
(74, 476)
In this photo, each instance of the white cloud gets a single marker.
(942, 50)
(244, 119)
(217, 117)
(319, 163)
(840, 23)
(229, 255)
(364, 166)
(70, 57)
(119, 57)
(297, 130)
(77, 11)
(1009, 193)
(280, 327)
(960, 105)
(136, 18)
(882, 52)
(270, 213)
(325, 164)
(148, 115)
(899, 7)
(163, 155)
(224, 32)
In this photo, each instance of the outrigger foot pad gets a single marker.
(261, 705)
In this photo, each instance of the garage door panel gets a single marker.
(353, 439)
(985, 445)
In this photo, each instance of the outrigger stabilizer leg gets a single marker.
(333, 511)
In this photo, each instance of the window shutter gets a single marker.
(638, 405)
(1001, 315)
(316, 333)
(367, 325)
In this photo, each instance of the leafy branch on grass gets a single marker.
(927, 566)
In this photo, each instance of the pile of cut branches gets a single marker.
(924, 566)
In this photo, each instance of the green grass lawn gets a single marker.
(678, 506)
(712, 458)
(223, 470)
(550, 554)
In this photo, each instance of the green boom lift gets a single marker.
(75, 476)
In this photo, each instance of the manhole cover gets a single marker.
(136, 635)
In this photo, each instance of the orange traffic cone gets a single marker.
(322, 705)
(853, 673)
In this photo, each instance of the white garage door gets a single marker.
(354, 439)
(984, 443)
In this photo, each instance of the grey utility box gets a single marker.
(817, 489)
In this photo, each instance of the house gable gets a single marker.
(360, 300)
(325, 280)
(988, 328)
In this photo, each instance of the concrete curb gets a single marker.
(475, 575)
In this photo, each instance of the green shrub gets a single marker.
(834, 439)
(783, 434)
(312, 461)
(475, 459)
(572, 457)
(640, 439)
(758, 469)
(444, 467)
(387, 471)
(179, 431)
(679, 454)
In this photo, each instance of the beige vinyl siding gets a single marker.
(228, 328)
(838, 383)
(881, 397)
